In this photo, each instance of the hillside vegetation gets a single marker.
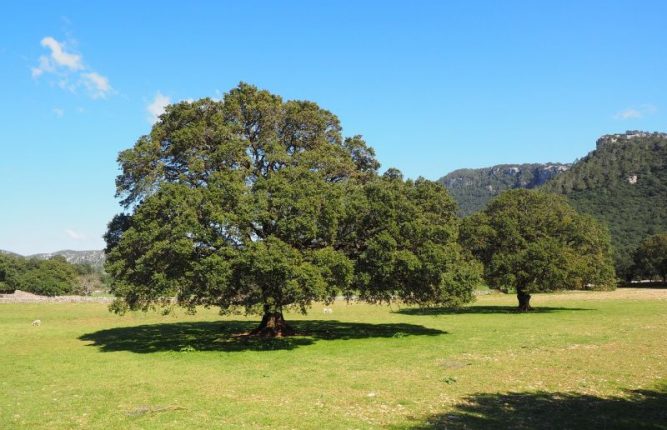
(94, 258)
(473, 188)
(623, 183)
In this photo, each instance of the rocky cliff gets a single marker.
(473, 188)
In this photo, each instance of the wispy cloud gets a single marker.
(72, 234)
(635, 112)
(97, 85)
(69, 70)
(44, 66)
(156, 107)
(59, 112)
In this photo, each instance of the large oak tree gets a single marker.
(531, 241)
(257, 204)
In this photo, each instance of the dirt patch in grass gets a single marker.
(620, 294)
(24, 297)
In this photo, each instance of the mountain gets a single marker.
(623, 183)
(473, 188)
(95, 257)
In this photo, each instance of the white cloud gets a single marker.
(58, 112)
(72, 234)
(156, 107)
(635, 112)
(60, 57)
(96, 84)
(69, 71)
(628, 114)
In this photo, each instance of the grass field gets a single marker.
(582, 360)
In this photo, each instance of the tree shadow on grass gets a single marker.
(637, 409)
(224, 335)
(484, 310)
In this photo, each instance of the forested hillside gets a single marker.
(473, 188)
(623, 182)
(95, 258)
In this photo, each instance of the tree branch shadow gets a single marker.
(225, 335)
(484, 310)
(637, 409)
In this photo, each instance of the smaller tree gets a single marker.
(531, 241)
(651, 257)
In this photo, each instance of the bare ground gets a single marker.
(25, 297)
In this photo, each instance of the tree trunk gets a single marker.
(524, 301)
(273, 325)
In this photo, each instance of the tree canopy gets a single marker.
(532, 241)
(257, 204)
(651, 257)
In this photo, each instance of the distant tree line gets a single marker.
(51, 277)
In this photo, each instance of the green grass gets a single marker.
(582, 360)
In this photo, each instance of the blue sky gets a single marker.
(433, 86)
